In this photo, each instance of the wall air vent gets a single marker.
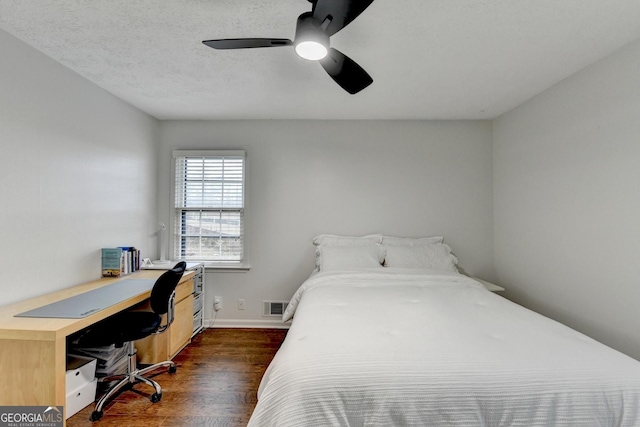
(274, 308)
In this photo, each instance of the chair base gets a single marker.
(133, 376)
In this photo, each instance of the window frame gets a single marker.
(230, 265)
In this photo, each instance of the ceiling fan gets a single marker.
(311, 41)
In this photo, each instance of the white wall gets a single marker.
(79, 172)
(567, 201)
(406, 178)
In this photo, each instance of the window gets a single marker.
(209, 206)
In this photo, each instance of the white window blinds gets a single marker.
(209, 206)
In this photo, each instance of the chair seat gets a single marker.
(121, 328)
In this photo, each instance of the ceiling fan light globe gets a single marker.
(311, 50)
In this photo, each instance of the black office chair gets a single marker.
(128, 326)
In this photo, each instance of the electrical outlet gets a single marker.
(240, 304)
(217, 303)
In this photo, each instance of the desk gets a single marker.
(33, 350)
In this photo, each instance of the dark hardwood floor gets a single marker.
(215, 385)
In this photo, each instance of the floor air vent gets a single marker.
(274, 308)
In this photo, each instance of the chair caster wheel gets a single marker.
(96, 415)
(173, 369)
(155, 397)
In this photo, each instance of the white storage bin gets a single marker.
(80, 371)
(80, 398)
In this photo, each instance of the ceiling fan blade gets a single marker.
(246, 43)
(344, 71)
(342, 12)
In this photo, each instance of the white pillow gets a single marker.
(335, 240)
(346, 257)
(433, 257)
(408, 241)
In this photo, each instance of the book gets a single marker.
(119, 261)
(131, 259)
(111, 262)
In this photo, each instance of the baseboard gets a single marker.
(243, 323)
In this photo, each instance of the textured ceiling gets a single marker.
(430, 59)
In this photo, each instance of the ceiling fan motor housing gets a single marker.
(309, 29)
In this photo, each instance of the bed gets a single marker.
(399, 346)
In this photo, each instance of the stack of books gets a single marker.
(119, 261)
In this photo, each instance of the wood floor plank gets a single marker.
(215, 385)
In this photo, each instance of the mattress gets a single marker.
(388, 347)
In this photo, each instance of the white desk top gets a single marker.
(157, 265)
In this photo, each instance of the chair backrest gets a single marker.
(164, 288)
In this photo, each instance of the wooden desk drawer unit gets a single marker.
(158, 348)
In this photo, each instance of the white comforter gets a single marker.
(407, 348)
